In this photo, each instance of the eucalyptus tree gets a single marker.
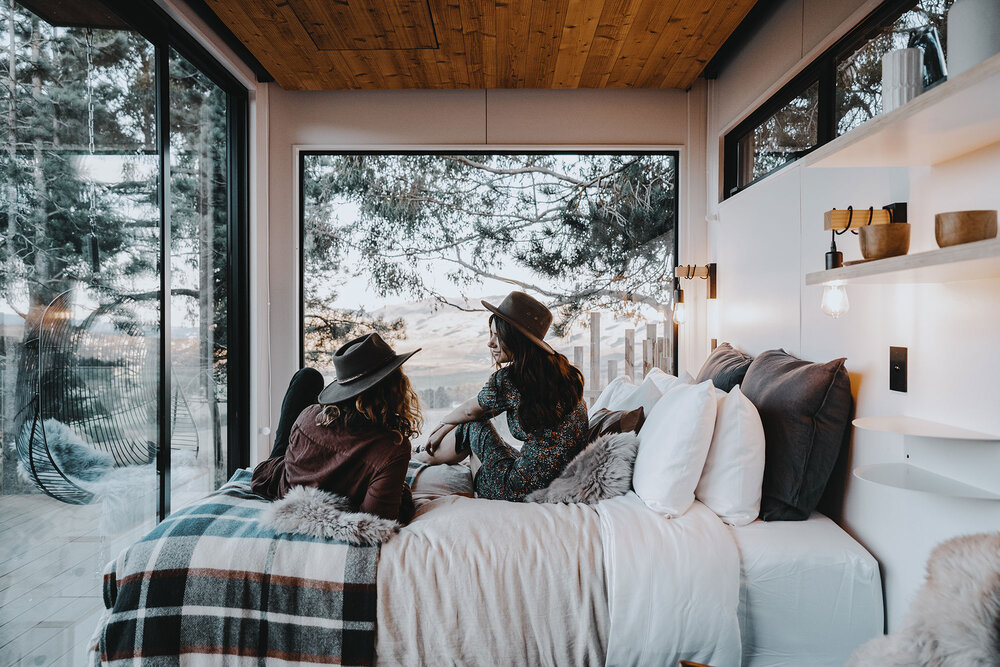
(580, 232)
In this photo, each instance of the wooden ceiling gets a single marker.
(394, 44)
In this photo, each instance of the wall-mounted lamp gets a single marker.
(835, 301)
(839, 222)
(680, 312)
(707, 272)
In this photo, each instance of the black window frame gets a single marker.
(155, 25)
(822, 69)
(676, 154)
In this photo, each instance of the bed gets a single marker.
(484, 582)
(623, 581)
(808, 593)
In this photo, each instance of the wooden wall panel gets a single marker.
(457, 44)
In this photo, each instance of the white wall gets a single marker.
(395, 119)
(769, 236)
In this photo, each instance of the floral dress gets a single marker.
(507, 474)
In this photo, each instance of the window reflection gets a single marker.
(199, 249)
(859, 74)
(784, 137)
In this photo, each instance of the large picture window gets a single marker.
(122, 282)
(409, 244)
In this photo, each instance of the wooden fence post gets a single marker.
(649, 363)
(630, 354)
(578, 357)
(595, 351)
(647, 356)
(668, 346)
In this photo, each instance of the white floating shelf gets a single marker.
(920, 427)
(911, 478)
(950, 120)
(968, 261)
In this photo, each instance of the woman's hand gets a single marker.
(436, 436)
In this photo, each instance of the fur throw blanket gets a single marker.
(954, 618)
(308, 511)
(602, 470)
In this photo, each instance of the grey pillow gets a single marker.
(602, 470)
(805, 409)
(725, 367)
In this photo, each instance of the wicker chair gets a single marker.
(96, 375)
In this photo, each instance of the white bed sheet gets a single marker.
(809, 593)
(672, 585)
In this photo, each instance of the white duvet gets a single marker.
(673, 585)
(487, 582)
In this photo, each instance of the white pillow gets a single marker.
(619, 386)
(661, 379)
(734, 470)
(630, 397)
(673, 443)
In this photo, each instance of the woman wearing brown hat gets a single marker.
(542, 394)
(353, 437)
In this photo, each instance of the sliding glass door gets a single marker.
(122, 275)
(199, 248)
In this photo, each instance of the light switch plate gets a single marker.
(897, 369)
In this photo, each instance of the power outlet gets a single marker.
(897, 369)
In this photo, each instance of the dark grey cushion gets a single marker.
(805, 408)
(725, 367)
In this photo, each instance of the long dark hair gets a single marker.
(391, 404)
(550, 386)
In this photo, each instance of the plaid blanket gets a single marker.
(211, 584)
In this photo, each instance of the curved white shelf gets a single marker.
(920, 427)
(912, 478)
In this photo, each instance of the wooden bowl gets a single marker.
(957, 227)
(879, 241)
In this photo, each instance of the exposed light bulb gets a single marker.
(835, 301)
(680, 314)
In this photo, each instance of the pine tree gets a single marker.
(63, 225)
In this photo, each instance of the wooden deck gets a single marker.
(51, 559)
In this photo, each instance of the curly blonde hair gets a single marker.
(391, 404)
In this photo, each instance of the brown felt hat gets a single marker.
(526, 314)
(361, 364)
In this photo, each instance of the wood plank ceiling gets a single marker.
(393, 44)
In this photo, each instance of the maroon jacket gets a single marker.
(365, 465)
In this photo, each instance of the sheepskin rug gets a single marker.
(954, 619)
(70, 451)
(602, 470)
(308, 511)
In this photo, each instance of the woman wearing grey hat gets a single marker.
(542, 394)
(353, 437)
